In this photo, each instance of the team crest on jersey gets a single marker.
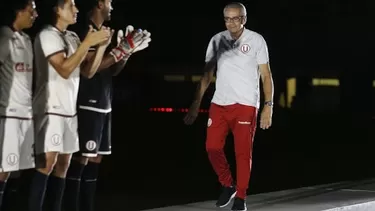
(245, 48)
(91, 145)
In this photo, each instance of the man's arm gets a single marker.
(90, 66)
(65, 66)
(267, 82)
(265, 70)
(205, 81)
(54, 50)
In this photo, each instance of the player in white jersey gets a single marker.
(58, 58)
(16, 74)
(240, 58)
(95, 104)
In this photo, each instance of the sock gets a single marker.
(10, 196)
(55, 193)
(88, 186)
(2, 189)
(37, 191)
(72, 186)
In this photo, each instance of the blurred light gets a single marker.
(169, 110)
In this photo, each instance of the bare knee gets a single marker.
(50, 162)
(81, 159)
(62, 165)
(97, 159)
(4, 176)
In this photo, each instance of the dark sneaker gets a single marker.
(227, 194)
(239, 205)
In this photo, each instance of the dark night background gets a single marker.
(325, 136)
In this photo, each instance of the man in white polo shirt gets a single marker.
(240, 58)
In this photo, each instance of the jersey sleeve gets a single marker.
(4, 50)
(211, 52)
(5, 45)
(51, 43)
(262, 53)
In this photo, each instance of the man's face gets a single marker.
(106, 9)
(68, 13)
(234, 19)
(28, 15)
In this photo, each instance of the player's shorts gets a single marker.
(94, 129)
(16, 144)
(56, 133)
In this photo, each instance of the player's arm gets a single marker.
(265, 71)
(267, 81)
(106, 62)
(204, 83)
(92, 64)
(208, 71)
(119, 66)
(53, 47)
(5, 49)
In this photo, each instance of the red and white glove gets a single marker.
(146, 39)
(127, 43)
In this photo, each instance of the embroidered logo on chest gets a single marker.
(245, 48)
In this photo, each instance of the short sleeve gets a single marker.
(262, 53)
(5, 38)
(211, 52)
(51, 43)
(4, 50)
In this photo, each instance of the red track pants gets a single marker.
(241, 120)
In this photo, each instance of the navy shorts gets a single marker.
(94, 130)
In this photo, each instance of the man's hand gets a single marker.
(107, 42)
(192, 114)
(126, 44)
(266, 117)
(146, 39)
(94, 37)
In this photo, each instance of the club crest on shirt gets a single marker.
(245, 48)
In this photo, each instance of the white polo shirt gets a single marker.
(16, 73)
(54, 94)
(238, 76)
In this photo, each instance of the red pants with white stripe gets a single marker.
(241, 120)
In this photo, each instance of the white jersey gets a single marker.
(237, 67)
(16, 73)
(53, 93)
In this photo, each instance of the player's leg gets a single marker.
(90, 126)
(217, 131)
(91, 172)
(49, 130)
(243, 127)
(7, 152)
(57, 179)
(56, 183)
(88, 184)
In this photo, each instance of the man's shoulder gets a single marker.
(6, 33)
(48, 31)
(219, 35)
(72, 34)
(80, 30)
(254, 35)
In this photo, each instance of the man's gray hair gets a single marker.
(236, 5)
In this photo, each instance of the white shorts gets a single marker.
(55, 133)
(16, 144)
